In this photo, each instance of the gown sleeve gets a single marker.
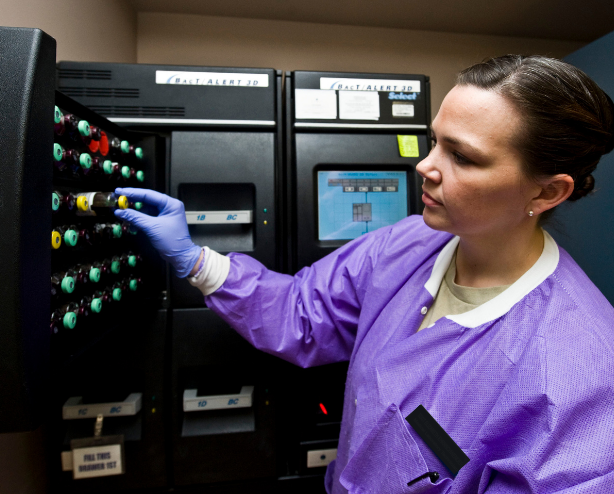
(308, 319)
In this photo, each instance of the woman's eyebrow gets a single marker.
(465, 145)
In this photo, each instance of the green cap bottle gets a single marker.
(57, 115)
(84, 128)
(68, 284)
(138, 152)
(94, 275)
(132, 261)
(70, 320)
(107, 167)
(138, 206)
(115, 265)
(125, 146)
(126, 172)
(133, 285)
(71, 237)
(85, 160)
(117, 231)
(140, 176)
(117, 294)
(96, 305)
(58, 152)
(56, 200)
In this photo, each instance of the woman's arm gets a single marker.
(308, 319)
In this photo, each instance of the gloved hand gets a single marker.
(168, 232)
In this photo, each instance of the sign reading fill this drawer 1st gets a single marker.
(218, 217)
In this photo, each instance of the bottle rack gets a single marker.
(91, 154)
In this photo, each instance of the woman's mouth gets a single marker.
(429, 201)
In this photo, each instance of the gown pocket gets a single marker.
(388, 459)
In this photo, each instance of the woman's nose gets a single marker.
(428, 170)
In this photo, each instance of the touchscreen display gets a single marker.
(351, 204)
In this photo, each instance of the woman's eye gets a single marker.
(460, 159)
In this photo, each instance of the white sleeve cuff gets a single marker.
(213, 274)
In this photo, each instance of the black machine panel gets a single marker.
(353, 143)
(223, 161)
(169, 95)
(231, 442)
(402, 101)
(354, 153)
(372, 129)
(227, 183)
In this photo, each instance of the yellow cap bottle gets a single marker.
(56, 239)
(122, 202)
(82, 203)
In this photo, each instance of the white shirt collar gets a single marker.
(502, 303)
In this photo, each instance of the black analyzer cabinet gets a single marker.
(224, 139)
(353, 141)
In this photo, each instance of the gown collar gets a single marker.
(502, 303)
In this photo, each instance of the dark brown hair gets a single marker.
(568, 120)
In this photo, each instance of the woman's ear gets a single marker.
(554, 190)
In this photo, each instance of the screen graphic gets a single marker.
(351, 204)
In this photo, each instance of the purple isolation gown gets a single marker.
(523, 383)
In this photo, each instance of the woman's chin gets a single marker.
(434, 221)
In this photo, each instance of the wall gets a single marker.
(85, 30)
(225, 41)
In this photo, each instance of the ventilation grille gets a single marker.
(99, 92)
(96, 75)
(139, 111)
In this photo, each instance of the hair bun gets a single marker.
(582, 187)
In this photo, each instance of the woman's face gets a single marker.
(473, 179)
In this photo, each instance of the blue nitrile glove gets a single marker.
(168, 232)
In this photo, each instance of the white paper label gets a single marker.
(315, 104)
(402, 109)
(359, 105)
(211, 79)
(99, 461)
(342, 84)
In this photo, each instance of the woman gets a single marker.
(470, 310)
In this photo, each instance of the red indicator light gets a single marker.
(323, 408)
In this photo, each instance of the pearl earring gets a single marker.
(531, 213)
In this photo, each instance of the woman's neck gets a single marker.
(499, 259)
